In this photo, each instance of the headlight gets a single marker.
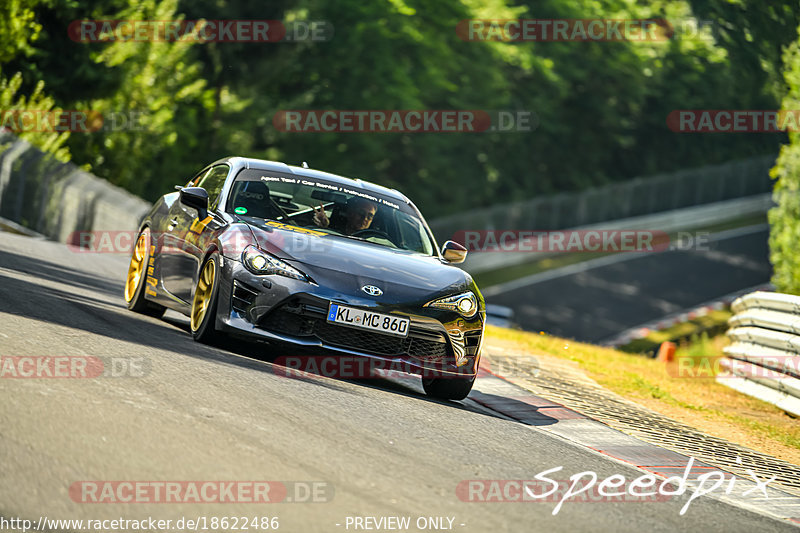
(262, 263)
(465, 304)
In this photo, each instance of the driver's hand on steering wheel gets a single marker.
(320, 218)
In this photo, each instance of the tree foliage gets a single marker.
(601, 107)
(784, 219)
(12, 103)
(18, 28)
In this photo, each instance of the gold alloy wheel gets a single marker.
(202, 295)
(136, 269)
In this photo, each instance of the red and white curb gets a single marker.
(643, 330)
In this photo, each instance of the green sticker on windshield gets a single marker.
(240, 210)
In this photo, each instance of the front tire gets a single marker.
(448, 388)
(136, 282)
(204, 303)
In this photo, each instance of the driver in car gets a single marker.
(358, 216)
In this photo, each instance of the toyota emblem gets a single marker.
(372, 290)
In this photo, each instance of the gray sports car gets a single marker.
(299, 257)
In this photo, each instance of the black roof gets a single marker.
(276, 166)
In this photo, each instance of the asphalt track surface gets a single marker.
(595, 300)
(204, 413)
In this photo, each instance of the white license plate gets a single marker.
(360, 318)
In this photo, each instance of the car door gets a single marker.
(189, 235)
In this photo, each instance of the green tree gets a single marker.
(18, 28)
(784, 219)
(160, 91)
(602, 106)
(12, 103)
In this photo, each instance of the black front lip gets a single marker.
(247, 303)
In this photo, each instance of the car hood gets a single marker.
(348, 264)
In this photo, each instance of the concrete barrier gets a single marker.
(56, 199)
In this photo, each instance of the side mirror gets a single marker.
(196, 198)
(454, 252)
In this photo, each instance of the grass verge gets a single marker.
(710, 324)
(696, 400)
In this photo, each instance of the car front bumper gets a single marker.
(280, 309)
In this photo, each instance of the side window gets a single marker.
(193, 182)
(213, 182)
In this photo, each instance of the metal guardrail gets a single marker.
(763, 359)
(622, 200)
(676, 220)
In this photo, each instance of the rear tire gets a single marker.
(448, 388)
(204, 303)
(136, 282)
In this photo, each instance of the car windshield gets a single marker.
(329, 207)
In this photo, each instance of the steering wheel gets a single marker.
(370, 232)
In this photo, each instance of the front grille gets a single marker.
(365, 341)
(427, 350)
(302, 320)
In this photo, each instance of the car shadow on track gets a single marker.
(407, 385)
(94, 305)
(58, 272)
(269, 355)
